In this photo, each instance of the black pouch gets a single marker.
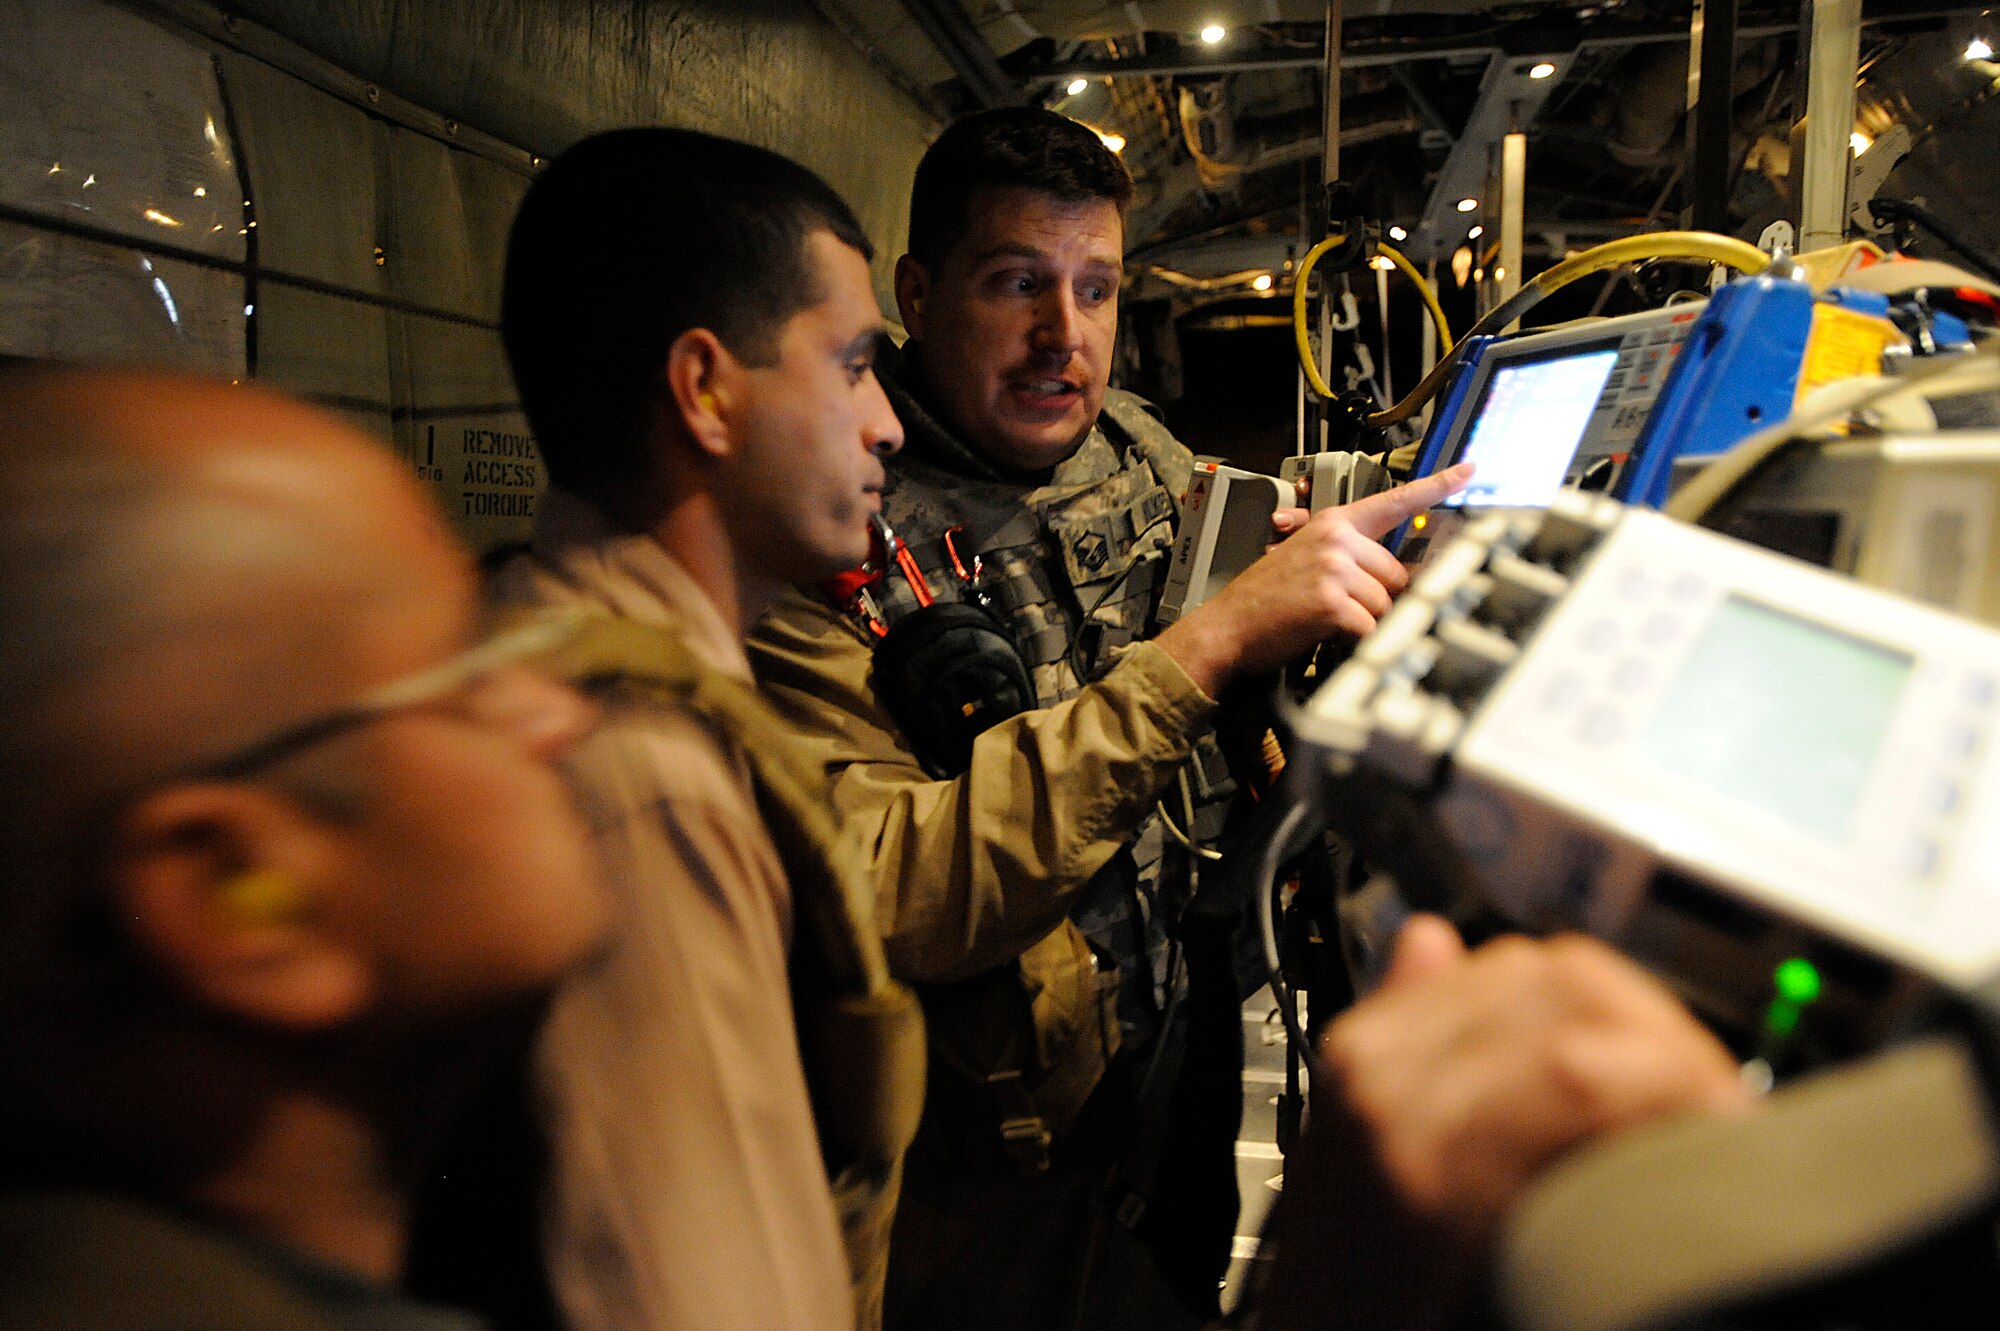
(946, 673)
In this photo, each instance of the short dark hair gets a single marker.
(1020, 146)
(625, 242)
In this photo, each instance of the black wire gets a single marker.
(1265, 881)
(1176, 985)
(1892, 211)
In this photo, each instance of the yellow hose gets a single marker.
(1301, 334)
(1726, 250)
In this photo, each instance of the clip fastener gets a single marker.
(894, 551)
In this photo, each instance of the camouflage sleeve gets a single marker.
(972, 871)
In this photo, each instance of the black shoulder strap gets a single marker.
(791, 795)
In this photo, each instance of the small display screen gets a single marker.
(1527, 425)
(1780, 713)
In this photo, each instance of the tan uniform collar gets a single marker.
(634, 576)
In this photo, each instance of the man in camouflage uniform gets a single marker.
(1009, 868)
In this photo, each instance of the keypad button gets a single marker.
(1686, 587)
(1945, 795)
(1601, 635)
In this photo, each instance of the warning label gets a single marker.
(1843, 344)
(488, 475)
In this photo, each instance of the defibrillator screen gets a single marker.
(1527, 424)
(1780, 713)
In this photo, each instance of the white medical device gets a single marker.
(1719, 759)
(1226, 516)
(1914, 514)
(1225, 526)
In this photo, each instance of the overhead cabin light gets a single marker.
(155, 215)
(1979, 49)
(1859, 142)
(1115, 142)
(1461, 264)
(1078, 85)
(1541, 69)
(1467, 205)
(1398, 233)
(1261, 282)
(1214, 33)
(1382, 263)
(1475, 233)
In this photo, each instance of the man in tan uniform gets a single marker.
(693, 330)
(289, 865)
(1011, 869)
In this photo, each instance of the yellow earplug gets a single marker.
(261, 896)
(707, 401)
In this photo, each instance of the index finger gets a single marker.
(1378, 515)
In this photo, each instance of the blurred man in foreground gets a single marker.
(288, 866)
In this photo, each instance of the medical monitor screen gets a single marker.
(1527, 424)
(1779, 713)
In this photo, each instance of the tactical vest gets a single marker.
(1072, 567)
(860, 1031)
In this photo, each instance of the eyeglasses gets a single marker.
(539, 638)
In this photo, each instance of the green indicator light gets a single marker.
(1797, 981)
